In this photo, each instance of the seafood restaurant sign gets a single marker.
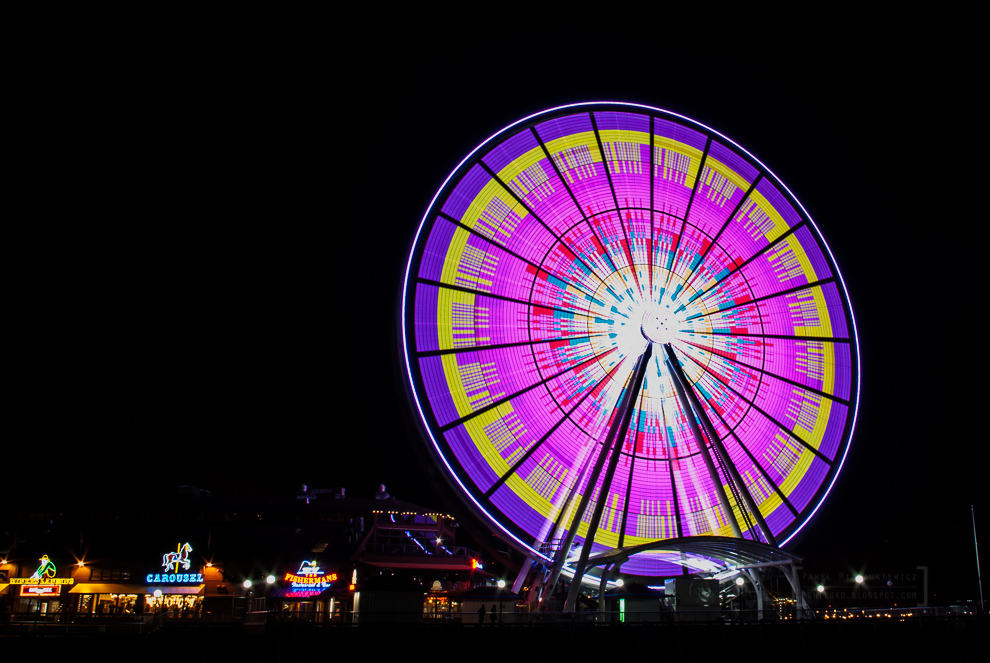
(309, 581)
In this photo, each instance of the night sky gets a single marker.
(205, 264)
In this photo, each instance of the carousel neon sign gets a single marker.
(172, 563)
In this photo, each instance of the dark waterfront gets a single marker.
(942, 639)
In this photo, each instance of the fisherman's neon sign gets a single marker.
(309, 580)
(173, 561)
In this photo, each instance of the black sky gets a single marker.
(208, 236)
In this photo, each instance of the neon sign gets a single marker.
(40, 590)
(37, 582)
(173, 562)
(43, 581)
(46, 569)
(308, 581)
(174, 578)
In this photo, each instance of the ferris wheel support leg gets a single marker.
(602, 586)
(679, 387)
(754, 577)
(524, 570)
(613, 442)
(717, 443)
(534, 597)
(792, 577)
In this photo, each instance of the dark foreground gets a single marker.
(946, 639)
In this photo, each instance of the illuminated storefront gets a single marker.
(43, 592)
(142, 563)
(175, 585)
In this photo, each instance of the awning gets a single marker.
(108, 588)
(195, 589)
(114, 588)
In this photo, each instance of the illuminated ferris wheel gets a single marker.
(622, 329)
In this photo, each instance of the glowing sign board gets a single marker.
(309, 581)
(40, 590)
(46, 581)
(46, 569)
(527, 298)
(173, 560)
(172, 563)
(174, 578)
(43, 581)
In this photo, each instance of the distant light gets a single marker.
(820, 588)
(247, 584)
(209, 564)
(81, 564)
(740, 582)
(619, 583)
(158, 593)
(859, 578)
(501, 584)
(439, 540)
(270, 579)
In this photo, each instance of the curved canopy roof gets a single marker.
(703, 554)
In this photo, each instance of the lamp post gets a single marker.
(739, 589)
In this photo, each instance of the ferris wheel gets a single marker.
(621, 328)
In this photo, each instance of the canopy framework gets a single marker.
(714, 556)
(525, 291)
(719, 557)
